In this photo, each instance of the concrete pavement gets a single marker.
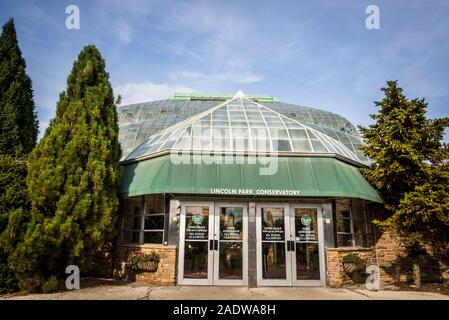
(140, 291)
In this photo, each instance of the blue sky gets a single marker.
(314, 53)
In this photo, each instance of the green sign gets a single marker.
(306, 220)
(197, 218)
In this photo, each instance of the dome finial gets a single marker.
(239, 94)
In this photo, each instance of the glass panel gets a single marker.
(301, 145)
(132, 222)
(154, 222)
(231, 223)
(197, 222)
(130, 237)
(344, 240)
(306, 227)
(154, 204)
(273, 260)
(318, 146)
(195, 259)
(153, 237)
(298, 134)
(282, 145)
(231, 259)
(273, 224)
(307, 261)
(344, 225)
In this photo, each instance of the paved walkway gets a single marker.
(136, 291)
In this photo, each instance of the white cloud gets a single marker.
(233, 77)
(147, 91)
(123, 31)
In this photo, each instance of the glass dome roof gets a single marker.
(138, 122)
(241, 125)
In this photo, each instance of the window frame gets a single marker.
(142, 215)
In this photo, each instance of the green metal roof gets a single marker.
(306, 177)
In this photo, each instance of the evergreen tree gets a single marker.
(422, 216)
(402, 142)
(72, 179)
(411, 170)
(18, 119)
(18, 132)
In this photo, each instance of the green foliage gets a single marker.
(422, 216)
(72, 179)
(18, 119)
(18, 133)
(411, 169)
(401, 141)
(351, 257)
(134, 258)
(50, 285)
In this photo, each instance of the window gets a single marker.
(143, 219)
(354, 226)
(344, 223)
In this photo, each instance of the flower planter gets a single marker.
(149, 266)
(350, 267)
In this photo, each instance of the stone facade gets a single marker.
(165, 275)
(395, 266)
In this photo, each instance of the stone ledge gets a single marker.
(148, 245)
(348, 249)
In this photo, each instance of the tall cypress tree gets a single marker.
(72, 180)
(18, 133)
(18, 119)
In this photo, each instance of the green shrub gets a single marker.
(50, 285)
(351, 258)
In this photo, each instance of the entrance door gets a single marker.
(306, 245)
(213, 244)
(195, 255)
(289, 245)
(230, 258)
(273, 258)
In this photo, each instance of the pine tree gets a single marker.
(18, 119)
(18, 133)
(411, 170)
(402, 142)
(72, 180)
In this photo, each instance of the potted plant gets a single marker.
(139, 261)
(351, 263)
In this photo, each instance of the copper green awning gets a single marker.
(295, 176)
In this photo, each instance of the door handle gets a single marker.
(213, 245)
(290, 245)
(216, 245)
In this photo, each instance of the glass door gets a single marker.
(195, 265)
(213, 244)
(306, 245)
(273, 258)
(231, 238)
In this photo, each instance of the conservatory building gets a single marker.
(241, 190)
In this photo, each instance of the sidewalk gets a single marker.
(140, 292)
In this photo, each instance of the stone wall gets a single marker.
(165, 275)
(395, 266)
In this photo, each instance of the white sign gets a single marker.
(258, 192)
